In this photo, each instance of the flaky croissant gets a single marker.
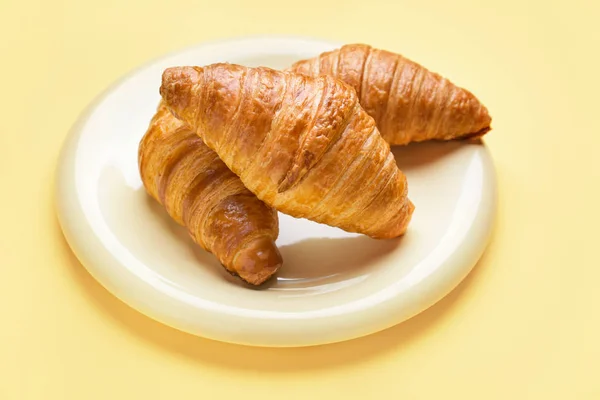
(408, 102)
(303, 145)
(200, 192)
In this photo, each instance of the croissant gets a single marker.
(303, 145)
(201, 193)
(408, 102)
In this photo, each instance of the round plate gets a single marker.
(333, 285)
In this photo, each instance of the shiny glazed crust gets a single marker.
(303, 145)
(408, 102)
(199, 191)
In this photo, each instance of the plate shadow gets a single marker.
(274, 360)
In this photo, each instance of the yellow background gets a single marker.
(524, 325)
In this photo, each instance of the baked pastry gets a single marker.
(408, 102)
(303, 145)
(199, 191)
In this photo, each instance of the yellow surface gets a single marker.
(524, 325)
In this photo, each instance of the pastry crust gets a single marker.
(408, 102)
(200, 192)
(303, 145)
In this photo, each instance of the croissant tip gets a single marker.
(476, 135)
(258, 261)
(176, 82)
(408, 210)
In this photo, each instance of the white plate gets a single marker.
(333, 286)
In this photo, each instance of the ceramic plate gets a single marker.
(333, 285)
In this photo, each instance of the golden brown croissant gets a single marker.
(200, 192)
(408, 102)
(303, 145)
